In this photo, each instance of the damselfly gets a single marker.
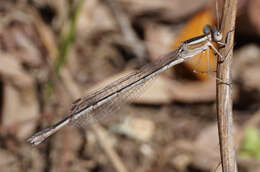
(103, 100)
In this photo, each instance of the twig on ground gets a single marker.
(224, 99)
(129, 34)
(65, 151)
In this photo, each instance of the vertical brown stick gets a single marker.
(224, 99)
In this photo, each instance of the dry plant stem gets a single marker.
(224, 99)
(73, 89)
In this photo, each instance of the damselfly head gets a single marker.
(215, 34)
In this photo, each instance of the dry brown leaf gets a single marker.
(20, 99)
(8, 161)
(246, 67)
(206, 149)
(167, 9)
(140, 129)
(94, 16)
(19, 35)
(157, 92)
(193, 91)
(29, 155)
(158, 39)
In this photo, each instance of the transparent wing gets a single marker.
(138, 83)
(108, 109)
(99, 104)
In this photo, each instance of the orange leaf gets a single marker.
(194, 28)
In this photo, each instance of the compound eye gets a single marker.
(207, 29)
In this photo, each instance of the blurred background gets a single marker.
(53, 52)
